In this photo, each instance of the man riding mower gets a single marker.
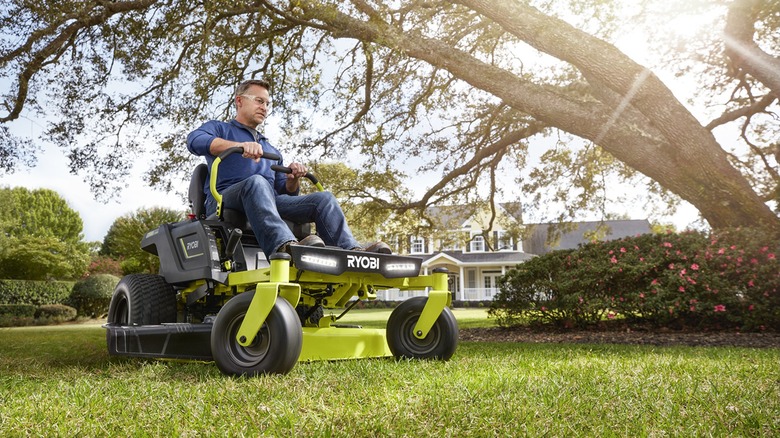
(219, 296)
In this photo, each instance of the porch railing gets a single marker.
(469, 294)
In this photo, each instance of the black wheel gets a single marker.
(440, 343)
(142, 299)
(276, 347)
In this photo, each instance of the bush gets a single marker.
(35, 293)
(105, 265)
(55, 313)
(727, 279)
(18, 310)
(91, 296)
(15, 315)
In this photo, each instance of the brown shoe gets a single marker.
(378, 247)
(310, 240)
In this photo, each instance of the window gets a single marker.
(478, 244)
(504, 240)
(418, 245)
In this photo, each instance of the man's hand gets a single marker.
(293, 178)
(252, 150)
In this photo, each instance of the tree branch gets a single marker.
(729, 116)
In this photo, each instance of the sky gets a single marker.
(51, 171)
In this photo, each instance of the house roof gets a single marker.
(496, 258)
(577, 233)
(454, 216)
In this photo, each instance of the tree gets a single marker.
(441, 82)
(41, 236)
(123, 239)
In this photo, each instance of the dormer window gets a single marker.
(505, 241)
(418, 245)
(478, 244)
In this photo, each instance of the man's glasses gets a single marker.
(258, 100)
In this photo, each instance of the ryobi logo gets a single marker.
(364, 262)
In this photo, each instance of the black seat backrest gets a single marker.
(197, 200)
(196, 196)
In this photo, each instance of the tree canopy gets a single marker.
(40, 236)
(457, 90)
(123, 239)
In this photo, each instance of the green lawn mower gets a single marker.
(218, 298)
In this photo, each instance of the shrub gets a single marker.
(18, 310)
(91, 296)
(15, 315)
(35, 293)
(55, 313)
(105, 265)
(727, 279)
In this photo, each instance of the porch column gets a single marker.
(462, 285)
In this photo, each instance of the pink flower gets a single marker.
(695, 267)
(611, 315)
(751, 284)
(693, 308)
(719, 308)
(641, 295)
(751, 307)
(671, 265)
(681, 289)
(667, 244)
(655, 281)
(613, 259)
(544, 309)
(770, 256)
(622, 250)
(721, 251)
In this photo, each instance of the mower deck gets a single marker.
(192, 342)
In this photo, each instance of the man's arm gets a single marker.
(251, 149)
(207, 140)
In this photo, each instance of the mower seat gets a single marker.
(234, 218)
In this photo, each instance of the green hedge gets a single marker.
(36, 293)
(730, 279)
(55, 313)
(18, 310)
(19, 315)
(92, 296)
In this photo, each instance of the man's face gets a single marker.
(253, 106)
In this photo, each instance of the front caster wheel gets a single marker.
(276, 347)
(440, 343)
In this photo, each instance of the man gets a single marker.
(248, 184)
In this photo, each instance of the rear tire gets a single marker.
(440, 343)
(142, 299)
(276, 347)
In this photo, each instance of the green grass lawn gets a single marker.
(377, 318)
(60, 381)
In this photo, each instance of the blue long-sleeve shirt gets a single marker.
(236, 168)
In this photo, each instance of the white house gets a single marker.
(478, 247)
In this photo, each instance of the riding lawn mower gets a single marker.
(217, 297)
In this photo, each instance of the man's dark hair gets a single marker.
(244, 86)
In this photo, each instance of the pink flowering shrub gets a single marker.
(727, 279)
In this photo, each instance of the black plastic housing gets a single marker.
(192, 250)
(173, 341)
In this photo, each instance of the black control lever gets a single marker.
(232, 244)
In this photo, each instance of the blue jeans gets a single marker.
(265, 209)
